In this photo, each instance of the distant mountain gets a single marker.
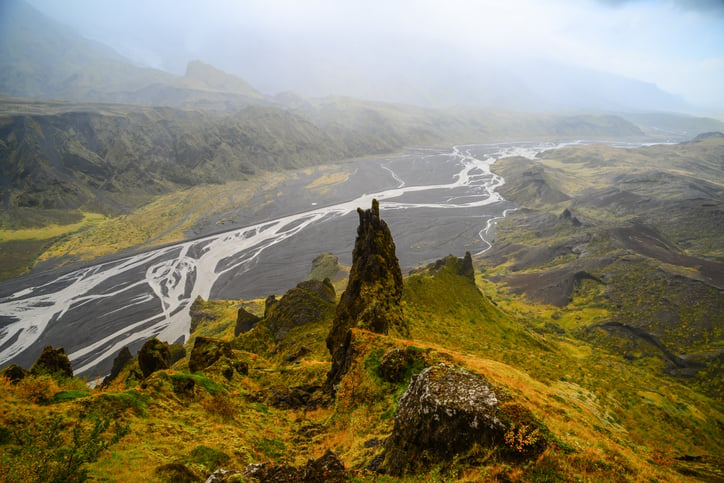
(41, 58)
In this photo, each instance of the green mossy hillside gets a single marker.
(604, 419)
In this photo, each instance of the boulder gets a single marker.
(245, 321)
(54, 362)
(444, 411)
(308, 302)
(206, 351)
(371, 300)
(154, 356)
(123, 358)
(328, 468)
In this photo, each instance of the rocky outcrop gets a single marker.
(245, 321)
(13, 373)
(371, 300)
(54, 362)
(445, 411)
(123, 358)
(154, 356)
(206, 351)
(328, 468)
(460, 266)
(308, 302)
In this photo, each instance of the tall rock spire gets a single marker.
(372, 298)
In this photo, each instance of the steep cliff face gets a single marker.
(372, 298)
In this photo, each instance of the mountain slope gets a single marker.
(622, 247)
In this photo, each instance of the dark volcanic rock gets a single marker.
(308, 302)
(154, 356)
(245, 321)
(123, 358)
(326, 469)
(14, 373)
(206, 351)
(53, 362)
(372, 298)
(443, 412)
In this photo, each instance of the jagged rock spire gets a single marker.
(372, 298)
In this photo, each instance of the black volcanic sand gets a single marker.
(421, 235)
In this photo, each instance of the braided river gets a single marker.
(435, 201)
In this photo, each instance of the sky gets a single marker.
(677, 45)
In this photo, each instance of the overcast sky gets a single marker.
(675, 44)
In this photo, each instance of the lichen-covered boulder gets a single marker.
(245, 321)
(444, 412)
(54, 362)
(206, 351)
(308, 302)
(154, 356)
(371, 300)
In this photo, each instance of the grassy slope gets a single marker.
(610, 421)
